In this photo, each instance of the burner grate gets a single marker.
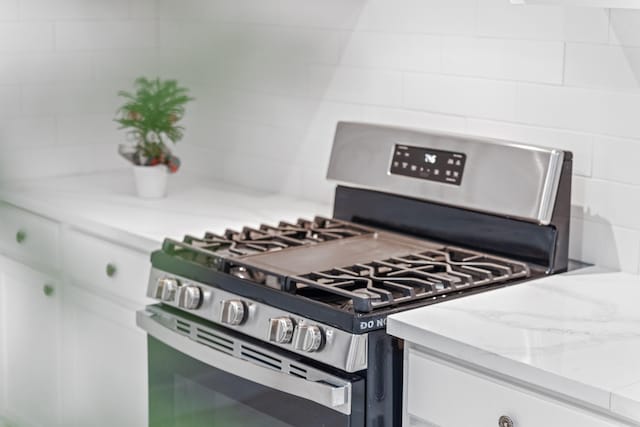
(430, 274)
(213, 248)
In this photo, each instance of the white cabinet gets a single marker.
(434, 388)
(30, 322)
(70, 352)
(105, 363)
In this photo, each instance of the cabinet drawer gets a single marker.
(436, 391)
(29, 237)
(96, 263)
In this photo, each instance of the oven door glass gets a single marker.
(194, 385)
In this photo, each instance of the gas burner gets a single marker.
(427, 275)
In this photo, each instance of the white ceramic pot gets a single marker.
(151, 181)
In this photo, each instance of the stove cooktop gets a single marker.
(347, 266)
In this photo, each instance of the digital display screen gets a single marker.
(430, 164)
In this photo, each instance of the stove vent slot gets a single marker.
(214, 341)
(297, 371)
(261, 358)
(183, 327)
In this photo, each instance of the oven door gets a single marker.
(201, 375)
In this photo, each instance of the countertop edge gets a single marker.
(510, 370)
(65, 217)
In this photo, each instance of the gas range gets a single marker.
(419, 219)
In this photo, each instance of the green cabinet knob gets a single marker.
(111, 270)
(21, 236)
(48, 290)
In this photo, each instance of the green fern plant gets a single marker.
(152, 114)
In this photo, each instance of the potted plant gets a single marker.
(151, 114)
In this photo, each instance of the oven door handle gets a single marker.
(335, 397)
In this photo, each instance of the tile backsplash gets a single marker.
(61, 64)
(272, 78)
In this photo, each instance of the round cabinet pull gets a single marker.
(21, 236)
(505, 421)
(111, 270)
(48, 290)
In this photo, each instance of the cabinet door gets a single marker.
(29, 317)
(105, 363)
(434, 388)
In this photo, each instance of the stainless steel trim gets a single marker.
(500, 177)
(324, 389)
(340, 349)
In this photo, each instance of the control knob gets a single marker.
(166, 288)
(308, 338)
(281, 330)
(189, 297)
(233, 312)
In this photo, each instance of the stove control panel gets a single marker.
(278, 327)
(428, 164)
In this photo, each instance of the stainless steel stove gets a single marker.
(283, 324)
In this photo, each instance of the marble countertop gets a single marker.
(105, 204)
(575, 334)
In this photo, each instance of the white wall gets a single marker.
(61, 64)
(274, 76)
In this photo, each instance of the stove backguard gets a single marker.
(511, 200)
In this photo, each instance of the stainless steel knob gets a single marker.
(189, 297)
(233, 312)
(308, 338)
(281, 330)
(505, 421)
(166, 288)
(169, 289)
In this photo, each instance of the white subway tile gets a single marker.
(125, 65)
(358, 85)
(600, 243)
(393, 51)
(89, 129)
(10, 101)
(598, 111)
(25, 36)
(188, 10)
(586, 24)
(439, 16)
(415, 16)
(580, 144)
(460, 96)
(535, 61)
(602, 66)
(607, 201)
(251, 11)
(624, 27)
(55, 161)
(502, 19)
(73, 9)
(414, 119)
(27, 132)
(617, 160)
(9, 10)
(194, 35)
(69, 98)
(105, 35)
(45, 67)
(143, 9)
(337, 14)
